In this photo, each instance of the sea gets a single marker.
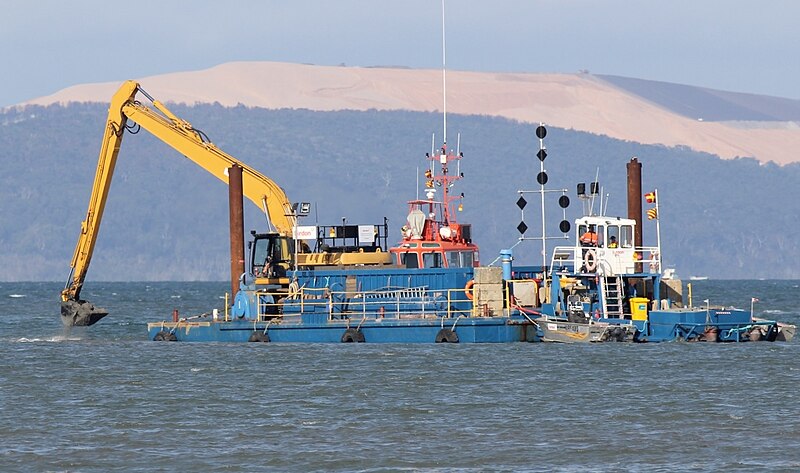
(105, 398)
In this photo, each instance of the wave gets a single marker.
(55, 339)
(17, 295)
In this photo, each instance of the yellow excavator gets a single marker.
(190, 142)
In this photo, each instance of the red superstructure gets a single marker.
(431, 237)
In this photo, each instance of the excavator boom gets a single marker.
(180, 135)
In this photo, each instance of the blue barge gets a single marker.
(343, 284)
(604, 287)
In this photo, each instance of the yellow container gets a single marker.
(639, 308)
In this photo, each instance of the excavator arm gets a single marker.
(180, 135)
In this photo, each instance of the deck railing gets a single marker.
(401, 302)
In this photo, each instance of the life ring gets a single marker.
(258, 336)
(164, 336)
(590, 260)
(446, 335)
(353, 335)
(468, 289)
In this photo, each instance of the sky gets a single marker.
(734, 45)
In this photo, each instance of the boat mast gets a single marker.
(542, 182)
(444, 78)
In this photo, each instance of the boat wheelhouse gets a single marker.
(431, 237)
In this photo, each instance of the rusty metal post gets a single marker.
(235, 198)
(635, 202)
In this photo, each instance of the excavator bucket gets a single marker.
(80, 313)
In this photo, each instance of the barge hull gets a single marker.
(482, 330)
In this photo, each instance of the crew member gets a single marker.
(590, 237)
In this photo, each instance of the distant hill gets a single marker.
(721, 123)
(167, 220)
(709, 104)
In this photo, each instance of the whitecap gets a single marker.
(55, 339)
(175, 297)
(15, 296)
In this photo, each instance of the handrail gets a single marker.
(415, 302)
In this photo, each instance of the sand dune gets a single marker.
(578, 101)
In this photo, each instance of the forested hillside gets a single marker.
(166, 219)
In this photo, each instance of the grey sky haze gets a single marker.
(735, 45)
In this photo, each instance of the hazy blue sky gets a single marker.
(738, 45)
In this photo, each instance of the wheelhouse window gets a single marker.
(626, 236)
(460, 259)
(613, 236)
(432, 260)
(409, 260)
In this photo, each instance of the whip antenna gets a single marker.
(444, 78)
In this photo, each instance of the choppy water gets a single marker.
(107, 399)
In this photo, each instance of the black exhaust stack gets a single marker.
(635, 201)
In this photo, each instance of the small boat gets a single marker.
(698, 278)
(554, 330)
(608, 286)
(782, 333)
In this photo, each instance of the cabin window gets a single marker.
(613, 236)
(469, 259)
(259, 255)
(431, 260)
(409, 260)
(460, 259)
(588, 235)
(582, 229)
(271, 257)
(453, 259)
(626, 236)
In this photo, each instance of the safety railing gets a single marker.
(400, 302)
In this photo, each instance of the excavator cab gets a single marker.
(271, 255)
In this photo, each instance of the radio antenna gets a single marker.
(444, 77)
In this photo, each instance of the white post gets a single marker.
(295, 245)
(658, 232)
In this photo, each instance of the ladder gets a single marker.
(611, 287)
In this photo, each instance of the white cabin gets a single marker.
(610, 251)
